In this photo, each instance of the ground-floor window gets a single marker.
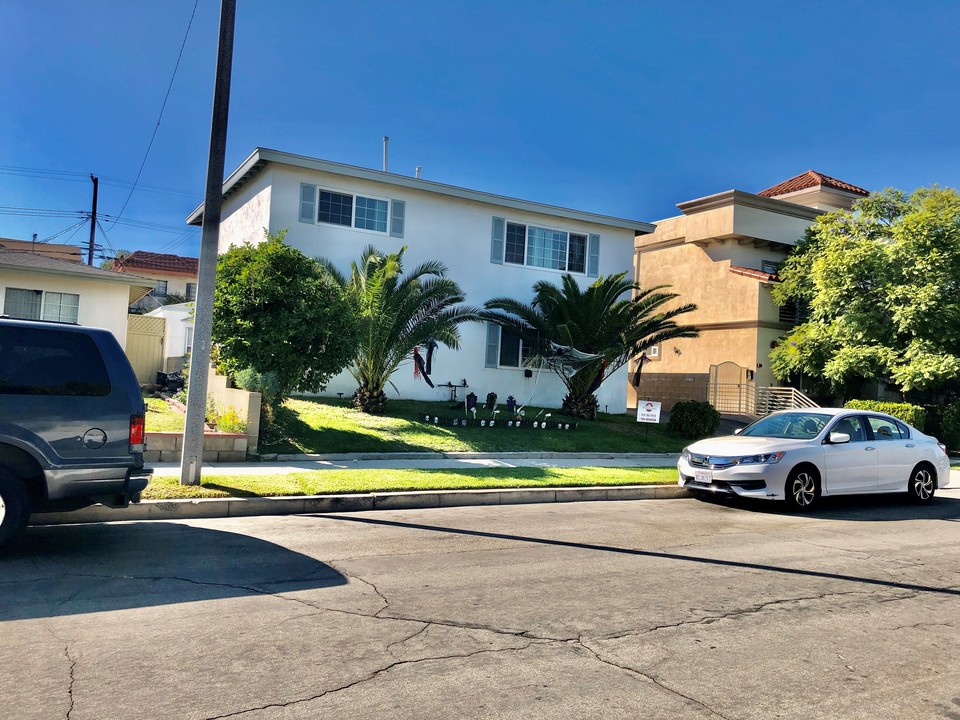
(41, 305)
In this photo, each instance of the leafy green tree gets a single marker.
(275, 310)
(883, 287)
(397, 311)
(585, 336)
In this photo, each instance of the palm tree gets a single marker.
(397, 312)
(585, 336)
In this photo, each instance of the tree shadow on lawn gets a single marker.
(76, 569)
(297, 436)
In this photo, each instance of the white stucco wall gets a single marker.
(102, 304)
(177, 319)
(437, 227)
(246, 213)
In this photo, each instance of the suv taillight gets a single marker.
(136, 433)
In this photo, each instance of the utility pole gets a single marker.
(209, 239)
(93, 221)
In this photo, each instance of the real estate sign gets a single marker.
(648, 411)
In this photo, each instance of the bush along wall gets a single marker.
(911, 414)
(693, 419)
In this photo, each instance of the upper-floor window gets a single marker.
(349, 210)
(523, 244)
(41, 305)
(770, 266)
(191, 292)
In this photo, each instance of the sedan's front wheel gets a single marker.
(922, 485)
(802, 489)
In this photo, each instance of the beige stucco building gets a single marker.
(173, 275)
(722, 254)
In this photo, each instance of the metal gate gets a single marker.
(145, 346)
(731, 390)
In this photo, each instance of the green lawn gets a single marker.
(324, 425)
(163, 418)
(323, 482)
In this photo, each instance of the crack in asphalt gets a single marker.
(73, 667)
(369, 676)
(626, 668)
(920, 625)
(740, 612)
(390, 647)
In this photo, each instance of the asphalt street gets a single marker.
(647, 609)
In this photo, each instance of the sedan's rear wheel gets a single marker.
(802, 489)
(922, 485)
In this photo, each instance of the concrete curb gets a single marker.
(249, 507)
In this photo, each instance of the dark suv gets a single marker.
(71, 422)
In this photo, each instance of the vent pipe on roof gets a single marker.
(419, 168)
(386, 141)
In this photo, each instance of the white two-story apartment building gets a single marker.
(493, 246)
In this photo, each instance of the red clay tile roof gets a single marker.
(811, 179)
(756, 274)
(142, 260)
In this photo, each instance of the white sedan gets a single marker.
(801, 455)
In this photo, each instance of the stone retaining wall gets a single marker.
(217, 447)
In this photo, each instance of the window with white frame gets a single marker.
(330, 207)
(653, 352)
(160, 289)
(187, 340)
(522, 244)
(505, 349)
(41, 305)
(191, 292)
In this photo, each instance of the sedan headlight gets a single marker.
(685, 454)
(761, 459)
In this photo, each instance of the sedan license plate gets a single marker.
(703, 477)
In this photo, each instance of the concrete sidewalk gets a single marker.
(428, 461)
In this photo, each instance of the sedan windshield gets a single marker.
(793, 425)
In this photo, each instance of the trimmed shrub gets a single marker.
(693, 419)
(950, 426)
(912, 414)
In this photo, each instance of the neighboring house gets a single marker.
(172, 275)
(37, 287)
(178, 333)
(70, 253)
(493, 246)
(723, 254)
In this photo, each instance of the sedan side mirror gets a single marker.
(738, 431)
(839, 438)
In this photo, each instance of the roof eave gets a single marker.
(739, 197)
(262, 156)
(128, 280)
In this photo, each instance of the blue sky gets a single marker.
(621, 108)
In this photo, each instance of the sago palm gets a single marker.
(586, 335)
(397, 312)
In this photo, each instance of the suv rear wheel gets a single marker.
(14, 507)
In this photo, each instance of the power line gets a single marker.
(67, 176)
(65, 230)
(160, 117)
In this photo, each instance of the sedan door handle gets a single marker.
(869, 448)
(910, 445)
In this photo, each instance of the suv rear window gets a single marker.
(50, 362)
